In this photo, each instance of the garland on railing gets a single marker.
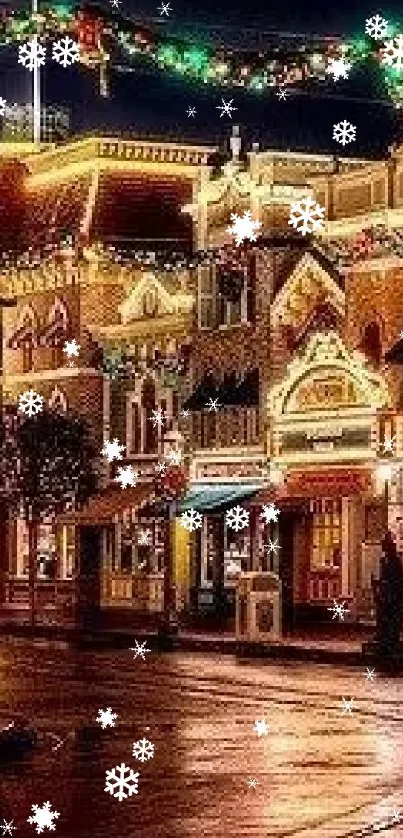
(104, 37)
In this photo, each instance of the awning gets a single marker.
(103, 508)
(209, 497)
(316, 484)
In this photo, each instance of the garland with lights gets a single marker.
(104, 38)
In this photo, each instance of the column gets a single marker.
(345, 547)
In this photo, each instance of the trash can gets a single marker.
(258, 607)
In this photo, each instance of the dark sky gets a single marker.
(154, 103)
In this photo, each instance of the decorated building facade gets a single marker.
(296, 338)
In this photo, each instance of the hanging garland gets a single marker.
(102, 36)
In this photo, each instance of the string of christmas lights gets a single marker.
(104, 37)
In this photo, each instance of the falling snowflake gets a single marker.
(121, 781)
(3, 105)
(144, 538)
(252, 782)
(243, 227)
(43, 817)
(115, 4)
(226, 107)
(106, 718)
(270, 513)
(388, 445)
(143, 750)
(370, 674)
(306, 216)
(66, 51)
(261, 727)
(185, 414)
(31, 55)
(376, 27)
(161, 468)
(112, 450)
(237, 518)
(140, 650)
(344, 132)
(71, 347)
(338, 68)
(348, 706)
(392, 53)
(212, 404)
(338, 610)
(191, 520)
(174, 457)
(164, 9)
(396, 816)
(7, 827)
(126, 476)
(273, 546)
(30, 403)
(282, 94)
(191, 111)
(158, 417)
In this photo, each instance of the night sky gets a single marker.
(154, 104)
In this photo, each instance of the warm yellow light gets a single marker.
(276, 475)
(384, 472)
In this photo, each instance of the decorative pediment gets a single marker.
(327, 377)
(308, 287)
(149, 299)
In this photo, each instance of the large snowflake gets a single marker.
(338, 68)
(338, 609)
(237, 518)
(121, 781)
(344, 132)
(306, 215)
(30, 403)
(376, 27)
(43, 817)
(243, 227)
(112, 450)
(126, 476)
(392, 54)
(31, 55)
(143, 750)
(191, 520)
(66, 51)
(270, 513)
(106, 718)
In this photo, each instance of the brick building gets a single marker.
(289, 335)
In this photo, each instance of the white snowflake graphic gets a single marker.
(226, 107)
(261, 727)
(121, 781)
(3, 105)
(43, 817)
(144, 537)
(31, 55)
(338, 68)
(273, 546)
(66, 51)
(237, 518)
(270, 513)
(212, 404)
(191, 111)
(106, 718)
(140, 650)
(306, 216)
(174, 457)
(126, 476)
(389, 445)
(143, 750)
(112, 450)
(164, 9)
(376, 26)
(392, 54)
(338, 610)
(158, 417)
(191, 520)
(344, 132)
(7, 827)
(30, 403)
(161, 468)
(71, 347)
(348, 706)
(243, 227)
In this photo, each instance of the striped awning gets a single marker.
(206, 498)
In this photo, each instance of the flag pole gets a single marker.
(36, 90)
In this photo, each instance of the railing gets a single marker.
(138, 591)
(227, 427)
(324, 584)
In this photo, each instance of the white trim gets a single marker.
(307, 262)
(50, 375)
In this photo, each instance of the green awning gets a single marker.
(208, 497)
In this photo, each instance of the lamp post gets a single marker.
(384, 473)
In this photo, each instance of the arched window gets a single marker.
(58, 400)
(57, 331)
(148, 404)
(25, 337)
(371, 343)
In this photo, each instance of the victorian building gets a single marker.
(295, 339)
